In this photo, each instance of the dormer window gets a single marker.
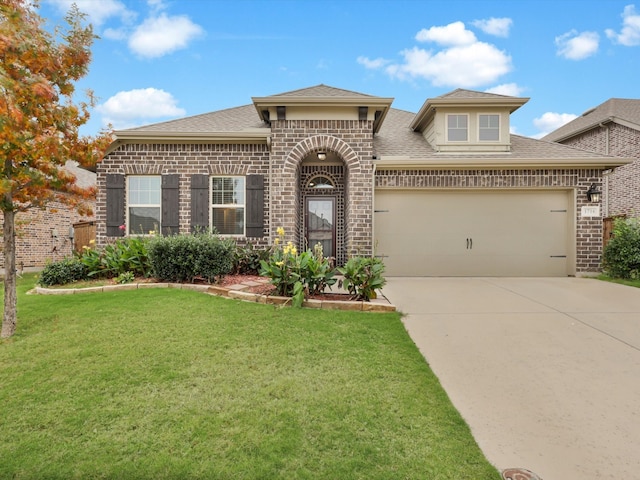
(489, 128)
(457, 128)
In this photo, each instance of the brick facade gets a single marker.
(588, 229)
(184, 160)
(351, 141)
(622, 186)
(43, 235)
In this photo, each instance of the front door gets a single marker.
(320, 224)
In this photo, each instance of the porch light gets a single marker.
(593, 194)
(322, 156)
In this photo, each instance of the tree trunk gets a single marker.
(10, 298)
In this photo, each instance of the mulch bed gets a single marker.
(268, 289)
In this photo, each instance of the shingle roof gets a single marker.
(236, 119)
(322, 91)
(462, 93)
(614, 109)
(397, 139)
(394, 139)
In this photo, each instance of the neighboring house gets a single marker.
(446, 191)
(44, 235)
(612, 128)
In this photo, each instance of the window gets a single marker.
(143, 200)
(321, 182)
(228, 205)
(457, 128)
(489, 128)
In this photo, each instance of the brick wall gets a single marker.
(588, 230)
(623, 184)
(35, 229)
(184, 160)
(350, 140)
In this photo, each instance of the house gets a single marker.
(611, 128)
(444, 191)
(44, 235)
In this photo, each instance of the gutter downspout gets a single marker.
(606, 173)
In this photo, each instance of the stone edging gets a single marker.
(237, 292)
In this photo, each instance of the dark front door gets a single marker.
(321, 225)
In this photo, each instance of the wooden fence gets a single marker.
(83, 234)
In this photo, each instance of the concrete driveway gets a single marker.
(546, 371)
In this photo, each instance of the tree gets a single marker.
(39, 122)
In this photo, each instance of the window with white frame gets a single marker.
(143, 204)
(489, 128)
(457, 128)
(228, 205)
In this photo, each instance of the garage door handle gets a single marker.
(469, 243)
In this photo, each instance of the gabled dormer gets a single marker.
(323, 102)
(465, 121)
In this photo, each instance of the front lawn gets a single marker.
(168, 384)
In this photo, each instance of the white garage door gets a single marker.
(480, 233)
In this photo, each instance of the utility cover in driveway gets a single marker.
(474, 233)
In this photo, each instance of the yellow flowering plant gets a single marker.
(297, 275)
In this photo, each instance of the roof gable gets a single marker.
(322, 90)
(625, 111)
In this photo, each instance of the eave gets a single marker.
(599, 123)
(138, 136)
(381, 104)
(429, 107)
(497, 162)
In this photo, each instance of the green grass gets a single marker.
(172, 384)
(630, 283)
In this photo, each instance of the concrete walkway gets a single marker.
(546, 371)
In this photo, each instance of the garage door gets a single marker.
(481, 233)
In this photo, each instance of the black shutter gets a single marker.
(199, 203)
(170, 204)
(255, 206)
(115, 204)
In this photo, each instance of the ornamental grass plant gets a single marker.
(169, 383)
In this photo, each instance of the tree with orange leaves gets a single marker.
(39, 122)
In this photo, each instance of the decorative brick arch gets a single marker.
(321, 143)
(355, 151)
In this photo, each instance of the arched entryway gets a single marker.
(322, 191)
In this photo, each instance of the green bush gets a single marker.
(125, 255)
(297, 275)
(62, 272)
(247, 258)
(183, 258)
(621, 256)
(362, 277)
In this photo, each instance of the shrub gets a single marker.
(362, 277)
(296, 275)
(183, 258)
(621, 256)
(62, 272)
(126, 277)
(125, 255)
(247, 258)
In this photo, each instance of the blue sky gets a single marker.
(162, 59)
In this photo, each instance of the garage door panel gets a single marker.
(487, 233)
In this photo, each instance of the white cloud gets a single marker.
(449, 35)
(372, 64)
(461, 61)
(577, 46)
(629, 36)
(551, 121)
(509, 89)
(158, 36)
(128, 108)
(465, 66)
(494, 26)
(98, 11)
